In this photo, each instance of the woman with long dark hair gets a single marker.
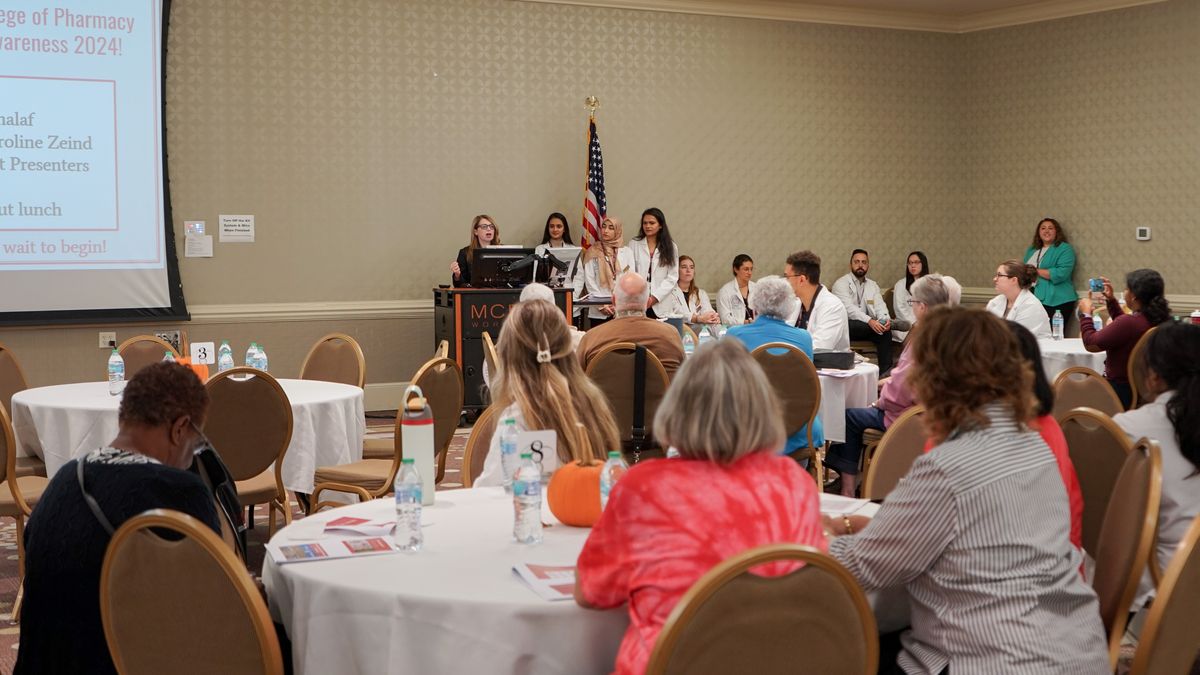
(1173, 419)
(733, 300)
(1054, 260)
(556, 234)
(915, 267)
(1144, 295)
(655, 256)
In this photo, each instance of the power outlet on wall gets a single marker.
(171, 336)
(108, 340)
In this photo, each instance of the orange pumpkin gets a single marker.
(574, 493)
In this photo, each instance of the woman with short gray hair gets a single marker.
(774, 297)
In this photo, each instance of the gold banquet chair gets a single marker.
(12, 380)
(1136, 369)
(1098, 449)
(613, 369)
(142, 350)
(900, 446)
(794, 378)
(250, 424)
(1170, 637)
(1079, 387)
(441, 383)
(337, 357)
(18, 495)
(182, 605)
(1126, 539)
(478, 445)
(733, 621)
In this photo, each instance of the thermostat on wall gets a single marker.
(1143, 234)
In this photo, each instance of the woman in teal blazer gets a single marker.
(1055, 262)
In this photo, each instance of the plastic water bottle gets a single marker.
(224, 357)
(116, 373)
(262, 359)
(613, 469)
(527, 502)
(252, 355)
(167, 356)
(509, 460)
(689, 345)
(1056, 325)
(721, 333)
(672, 453)
(407, 487)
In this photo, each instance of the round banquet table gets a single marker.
(456, 606)
(1058, 355)
(841, 389)
(65, 421)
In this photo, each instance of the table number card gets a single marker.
(204, 352)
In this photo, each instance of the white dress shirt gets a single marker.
(662, 278)
(862, 299)
(730, 305)
(904, 311)
(1027, 311)
(827, 323)
(1180, 502)
(589, 280)
(678, 304)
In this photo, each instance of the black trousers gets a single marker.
(860, 330)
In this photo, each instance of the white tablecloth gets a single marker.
(856, 388)
(1058, 355)
(454, 607)
(62, 422)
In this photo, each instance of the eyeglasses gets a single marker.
(997, 276)
(792, 276)
(485, 226)
(912, 302)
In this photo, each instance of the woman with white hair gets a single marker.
(895, 396)
(772, 302)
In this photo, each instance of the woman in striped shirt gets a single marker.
(979, 529)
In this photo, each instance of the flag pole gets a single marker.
(592, 103)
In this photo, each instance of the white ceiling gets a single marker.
(949, 16)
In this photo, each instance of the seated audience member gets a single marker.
(541, 386)
(144, 467)
(1144, 295)
(916, 267)
(772, 303)
(602, 263)
(1012, 281)
(687, 300)
(979, 529)
(895, 395)
(819, 312)
(484, 233)
(536, 292)
(661, 532)
(632, 325)
(733, 300)
(1173, 419)
(865, 309)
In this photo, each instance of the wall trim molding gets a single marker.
(1181, 305)
(814, 12)
(312, 311)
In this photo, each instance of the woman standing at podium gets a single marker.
(655, 257)
(484, 233)
(602, 263)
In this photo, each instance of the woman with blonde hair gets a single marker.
(484, 233)
(603, 262)
(539, 384)
(668, 522)
(979, 529)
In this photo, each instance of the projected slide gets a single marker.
(81, 166)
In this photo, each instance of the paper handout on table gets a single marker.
(551, 582)
(363, 526)
(834, 372)
(837, 505)
(330, 549)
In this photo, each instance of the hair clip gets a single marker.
(543, 355)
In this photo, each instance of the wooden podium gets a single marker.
(461, 315)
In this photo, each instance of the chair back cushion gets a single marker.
(795, 380)
(478, 445)
(12, 379)
(335, 358)
(1097, 447)
(1136, 369)
(143, 350)
(8, 447)
(1127, 535)
(1170, 637)
(182, 604)
(713, 630)
(441, 382)
(900, 446)
(612, 369)
(1079, 387)
(249, 420)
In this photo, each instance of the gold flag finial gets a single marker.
(592, 103)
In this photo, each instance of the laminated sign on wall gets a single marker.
(237, 229)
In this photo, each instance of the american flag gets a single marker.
(595, 207)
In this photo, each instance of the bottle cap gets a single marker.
(509, 421)
(614, 454)
(115, 351)
(407, 460)
(526, 455)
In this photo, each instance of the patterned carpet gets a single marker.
(378, 426)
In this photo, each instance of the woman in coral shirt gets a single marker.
(668, 522)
